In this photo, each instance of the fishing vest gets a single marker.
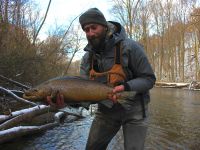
(116, 74)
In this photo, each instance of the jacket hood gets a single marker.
(119, 33)
(115, 34)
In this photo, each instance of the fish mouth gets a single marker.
(30, 97)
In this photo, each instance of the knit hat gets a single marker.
(92, 15)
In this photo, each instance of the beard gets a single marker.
(97, 42)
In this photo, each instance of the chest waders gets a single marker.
(115, 75)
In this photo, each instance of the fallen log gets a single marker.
(26, 115)
(194, 85)
(73, 112)
(15, 132)
(23, 111)
(36, 111)
(171, 85)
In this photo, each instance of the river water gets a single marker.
(174, 125)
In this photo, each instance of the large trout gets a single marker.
(73, 89)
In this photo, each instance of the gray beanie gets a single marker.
(92, 15)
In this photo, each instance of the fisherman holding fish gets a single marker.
(114, 59)
(112, 66)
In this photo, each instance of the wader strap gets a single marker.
(93, 63)
(91, 59)
(118, 54)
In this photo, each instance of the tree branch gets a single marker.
(17, 97)
(14, 82)
(35, 37)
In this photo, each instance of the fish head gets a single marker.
(34, 94)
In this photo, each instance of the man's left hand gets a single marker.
(114, 96)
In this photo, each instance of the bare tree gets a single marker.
(75, 46)
(163, 29)
(35, 37)
(195, 22)
(126, 12)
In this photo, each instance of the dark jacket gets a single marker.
(138, 70)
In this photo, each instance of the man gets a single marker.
(113, 59)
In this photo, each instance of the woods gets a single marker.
(23, 56)
(169, 32)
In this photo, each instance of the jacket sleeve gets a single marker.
(143, 75)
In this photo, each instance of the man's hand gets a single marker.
(59, 103)
(114, 96)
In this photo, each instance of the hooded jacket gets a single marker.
(139, 73)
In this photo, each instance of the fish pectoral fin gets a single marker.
(59, 103)
(60, 100)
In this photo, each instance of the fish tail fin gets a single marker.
(123, 96)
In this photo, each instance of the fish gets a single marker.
(74, 89)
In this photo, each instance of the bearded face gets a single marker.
(97, 41)
(96, 35)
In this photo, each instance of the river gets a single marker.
(174, 125)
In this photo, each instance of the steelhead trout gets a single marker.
(74, 89)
